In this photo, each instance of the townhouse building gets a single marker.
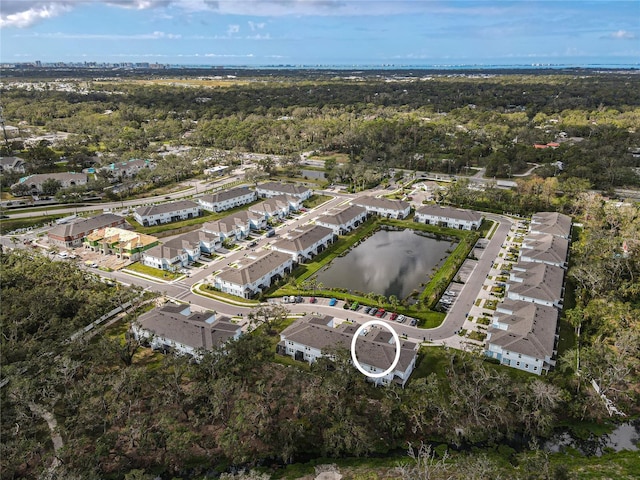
(121, 243)
(343, 221)
(166, 212)
(384, 207)
(448, 217)
(253, 274)
(305, 242)
(174, 328)
(313, 337)
(227, 199)
(272, 189)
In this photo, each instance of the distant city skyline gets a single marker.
(321, 32)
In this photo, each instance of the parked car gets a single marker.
(451, 293)
(285, 299)
(332, 302)
(299, 299)
(271, 233)
(401, 319)
(292, 299)
(312, 300)
(63, 254)
(381, 313)
(413, 322)
(355, 306)
(373, 311)
(366, 309)
(393, 316)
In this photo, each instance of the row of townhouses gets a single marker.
(312, 337)
(150, 215)
(305, 242)
(448, 217)
(254, 273)
(227, 199)
(181, 251)
(384, 207)
(174, 328)
(524, 330)
(343, 221)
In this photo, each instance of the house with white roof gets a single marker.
(524, 335)
(272, 189)
(166, 212)
(227, 199)
(253, 274)
(448, 217)
(313, 337)
(343, 221)
(384, 207)
(174, 328)
(305, 242)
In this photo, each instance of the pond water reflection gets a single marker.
(388, 263)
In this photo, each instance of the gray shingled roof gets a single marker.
(553, 223)
(192, 330)
(531, 329)
(273, 204)
(381, 202)
(226, 195)
(255, 268)
(85, 226)
(288, 188)
(545, 248)
(450, 212)
(538, 280)
(316, 334)
(302, 238)
(340, 217)
(165, 208)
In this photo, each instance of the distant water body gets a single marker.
(434, 66)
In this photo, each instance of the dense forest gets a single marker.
(446, 123)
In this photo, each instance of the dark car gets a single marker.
(373, 311)
(366, 309)
(312, 300)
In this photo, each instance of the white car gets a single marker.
(63, 254)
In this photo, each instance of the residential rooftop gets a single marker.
(531, 328)
(224, 195)
(254, 267)
(196, 330)
(340, 217)
(449, 212)
(381, 202)
(85, 225)
(287, 188)
(302, 238)
(162, 208)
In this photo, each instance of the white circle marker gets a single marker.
(353, 349)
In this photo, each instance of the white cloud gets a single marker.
(231, 29)
(622, 35)
(14, 13)
(23, 13)
(256, 26)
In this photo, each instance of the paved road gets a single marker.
(194, 187)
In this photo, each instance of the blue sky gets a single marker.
(321, 32)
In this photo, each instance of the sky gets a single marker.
(322, 32)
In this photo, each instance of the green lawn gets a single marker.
(211, 292)
(152, 272)
(316, 199)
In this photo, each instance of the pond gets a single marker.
(315, 174)
(389, 263)
(625, 437)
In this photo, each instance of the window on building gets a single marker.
(517, 364)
